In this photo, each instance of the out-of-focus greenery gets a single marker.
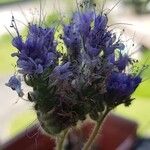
(140, 6)
(6, 61)
(52, 20)
(23, 121)
(144, 88)
(138, 111)
(2, 2)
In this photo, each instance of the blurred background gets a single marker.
(132, 17)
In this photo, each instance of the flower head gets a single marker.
(88, 78)
(63, 72)
(120, 86)
(122, 62)
(38, 52)
(82, 22)
(15, 84)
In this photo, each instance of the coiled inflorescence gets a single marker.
(87, 79)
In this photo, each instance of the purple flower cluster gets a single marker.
(38, 52)
(121, 86)
(91, 76)
(89, 37)
(80, 33)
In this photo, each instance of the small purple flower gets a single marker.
(122, 85)
(38, 52)
(82, 22)
(18, 43)
(101, 38)
(63, 72)
(92, 51)
(15, 84)
(72, 40)
(122, 62)
(100, 22)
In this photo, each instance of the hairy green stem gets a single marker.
(61, 140)
(95, 131)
